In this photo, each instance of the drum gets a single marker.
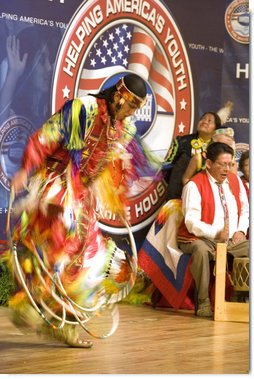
(241, 274)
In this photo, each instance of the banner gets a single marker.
(194, 56)
(235, 74)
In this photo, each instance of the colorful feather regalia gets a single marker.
(64, 265)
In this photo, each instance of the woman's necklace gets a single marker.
(198, 145)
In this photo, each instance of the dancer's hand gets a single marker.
(19, 180)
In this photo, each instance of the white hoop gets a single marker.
(82, 314)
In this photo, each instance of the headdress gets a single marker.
(225, 112)
(128, 95)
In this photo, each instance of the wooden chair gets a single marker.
(225, 310)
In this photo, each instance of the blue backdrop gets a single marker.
(213, 34)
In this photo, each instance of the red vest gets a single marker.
(245, 186)
(207, 201)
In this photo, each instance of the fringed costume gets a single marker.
(77, 162)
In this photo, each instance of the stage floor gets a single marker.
(147, 341)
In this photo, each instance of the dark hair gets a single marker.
(107, 94)
(135, 84)
(132, 81)
(215, 149)
(244, 157)
(216, 119)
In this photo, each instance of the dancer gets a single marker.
(82, 159)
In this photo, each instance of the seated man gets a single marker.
(215, 208)
(197, 162)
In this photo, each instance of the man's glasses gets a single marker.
(224, 164)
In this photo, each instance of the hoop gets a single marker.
(56, 289)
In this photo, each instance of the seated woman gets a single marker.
(197, 162)
(244, 167)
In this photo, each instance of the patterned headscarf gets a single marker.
(132, 94)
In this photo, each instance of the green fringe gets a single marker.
(7, 284)
(142, 291)
(137, 298)
(76, 142)
(24, 221)
(110, 246)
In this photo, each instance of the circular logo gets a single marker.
(237, 21)
(13, 138)
(105, 40)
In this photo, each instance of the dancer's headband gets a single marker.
(129, 95)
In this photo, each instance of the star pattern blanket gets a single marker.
(160, 258)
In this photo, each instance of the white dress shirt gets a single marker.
(191, 206)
